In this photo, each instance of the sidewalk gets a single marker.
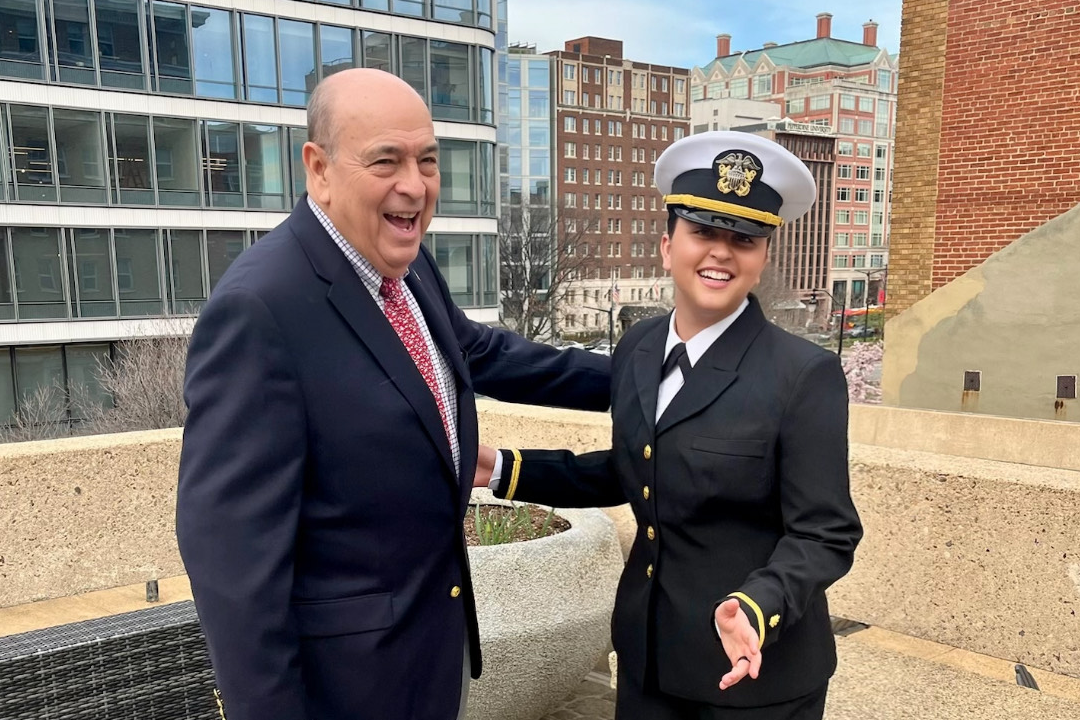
(885, 676)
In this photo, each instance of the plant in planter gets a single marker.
(544, 605)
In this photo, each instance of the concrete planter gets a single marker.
(544, 609)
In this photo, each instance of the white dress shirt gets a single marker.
(695, 348)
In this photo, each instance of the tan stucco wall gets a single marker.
(1015, 318)
(959, 550)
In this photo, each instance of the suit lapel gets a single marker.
(716, 370)
(425, 290)
(356, 306)
(648, 359)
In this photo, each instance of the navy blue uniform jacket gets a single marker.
(319, 516)
(740, 487)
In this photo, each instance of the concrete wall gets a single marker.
(978, 554)
(1014, 318)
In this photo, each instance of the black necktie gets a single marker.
(677, 356)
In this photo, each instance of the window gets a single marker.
(879, 196)
(880, 152)
(845, 148)
(884, 78)
(843, 194)
(843, 217)
(585, 201)
(847, 126)
(740, 88)
(841, 239)
(715, 90)
(862, 195)
(866, 104)
(866, 128)
(820, 102)
(570, 124)
(568, 71)
(569, 149)
(860, 261)
(585, 151)
(596, 126)
(569, 97)
(847, 102)
(863, 150)
(862, 217)
(796, 107)
(680, 86)
(570, 174)
(296, 46)
(843, 171)
(596, 75)
(860, 239)
(840, 261)
(762, 85)
(679, 133)
(876, 240)
(862, 172)
(879, 174)
(663, 132)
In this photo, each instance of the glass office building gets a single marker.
(146, 144)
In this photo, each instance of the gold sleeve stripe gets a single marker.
(757, 611)
(514, 474)
(729, 208)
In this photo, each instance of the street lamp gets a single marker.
(812, 301)
(866, 294)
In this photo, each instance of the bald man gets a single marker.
(331, 440)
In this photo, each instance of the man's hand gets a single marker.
(740, 642)
(485, 465)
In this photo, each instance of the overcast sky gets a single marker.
(683, 32)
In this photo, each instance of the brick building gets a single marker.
(800, 250)
(987, 140)
(613, 118)
(849, 90)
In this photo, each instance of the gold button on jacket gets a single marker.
(648, 451)
(645, 492)
(455, 591)
(651, 533)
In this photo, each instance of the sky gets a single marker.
(683, 32)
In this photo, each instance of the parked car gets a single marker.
(862, 331)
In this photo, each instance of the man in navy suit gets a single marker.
(332, 436)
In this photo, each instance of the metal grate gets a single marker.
(145, 665)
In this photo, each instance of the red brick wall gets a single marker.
(1010, 126)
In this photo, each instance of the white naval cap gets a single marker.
(734, 180)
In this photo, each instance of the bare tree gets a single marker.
(42, 415)
(541, 251)
(778, 301)
(145, 381)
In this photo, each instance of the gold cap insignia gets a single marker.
(774, 621)
(736, 171)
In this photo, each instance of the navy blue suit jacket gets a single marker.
(319, 515)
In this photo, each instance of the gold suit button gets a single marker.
(455, 591)
(648, 451)
(648, 571)
(645, 492)
(651, 533)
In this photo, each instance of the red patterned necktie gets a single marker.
(404, 323)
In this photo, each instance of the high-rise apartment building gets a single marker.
(848, 90)
(613, 118)
(146, 143)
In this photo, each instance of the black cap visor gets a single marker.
(725, 221)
